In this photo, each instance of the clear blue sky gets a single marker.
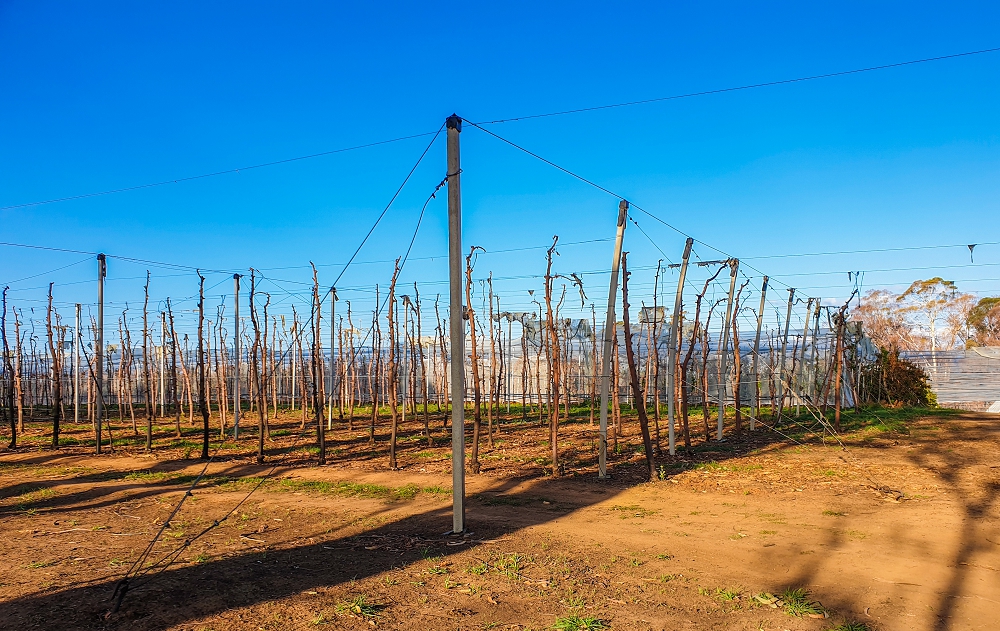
(105, 95)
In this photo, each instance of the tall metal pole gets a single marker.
(236, 356)
(672, 348)
(102, 270)
(76, 366)
(756, 356)
(734, 266)
(784, 347)
(609, 325)
(456, 317)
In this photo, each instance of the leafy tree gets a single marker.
(925, 303)
(983, 321)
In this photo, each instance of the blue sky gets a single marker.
(106, 95)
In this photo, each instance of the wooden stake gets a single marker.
(55, 374)
(8, 373)
(756, 356)
(734, 265)
(102, 272)
(145, 369)
(609, 324)
(470, 314)
(672, 346)
(781, 359)
(202, 403)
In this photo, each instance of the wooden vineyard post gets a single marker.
(333, 361)
(202, 404)
(814, 382)
(493, 366)
(653, 355)
(456, 325)
(102, 272)
(609, 325)
(509, 367)
(236, 357)
(317, 356)
(737, 365)
(803, 366)
(175, 399)
(781, 359)
(756, 357)
(18, 367)
(423, 366)
(392, 368)
(470, 314)
(54, 370)
(8, 373)
(76, 365)
(734, 266)
(553, 357)
(145, 370)
(801, 373)
(839, 358)
(163, 364)
(255, 382)
(672, 348)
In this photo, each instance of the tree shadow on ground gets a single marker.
(977, 496)
(957, 465)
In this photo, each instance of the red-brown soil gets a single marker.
(899, 531)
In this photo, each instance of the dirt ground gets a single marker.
(896, 530)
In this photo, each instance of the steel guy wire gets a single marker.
(871, 251)
(8, 283)
(122, 586)
(216, 173)
(387, 206)
(169, 559)
(439, 256)
(519, 118)
(613, 194)
(828, 427)
(750, 86)
(164, 562)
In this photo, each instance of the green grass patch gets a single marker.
(34, 565)
(727, 595)
(889, 420)
(33, 496)
(148, 476)
(345, 489)
(576, 623)
(796, 602)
